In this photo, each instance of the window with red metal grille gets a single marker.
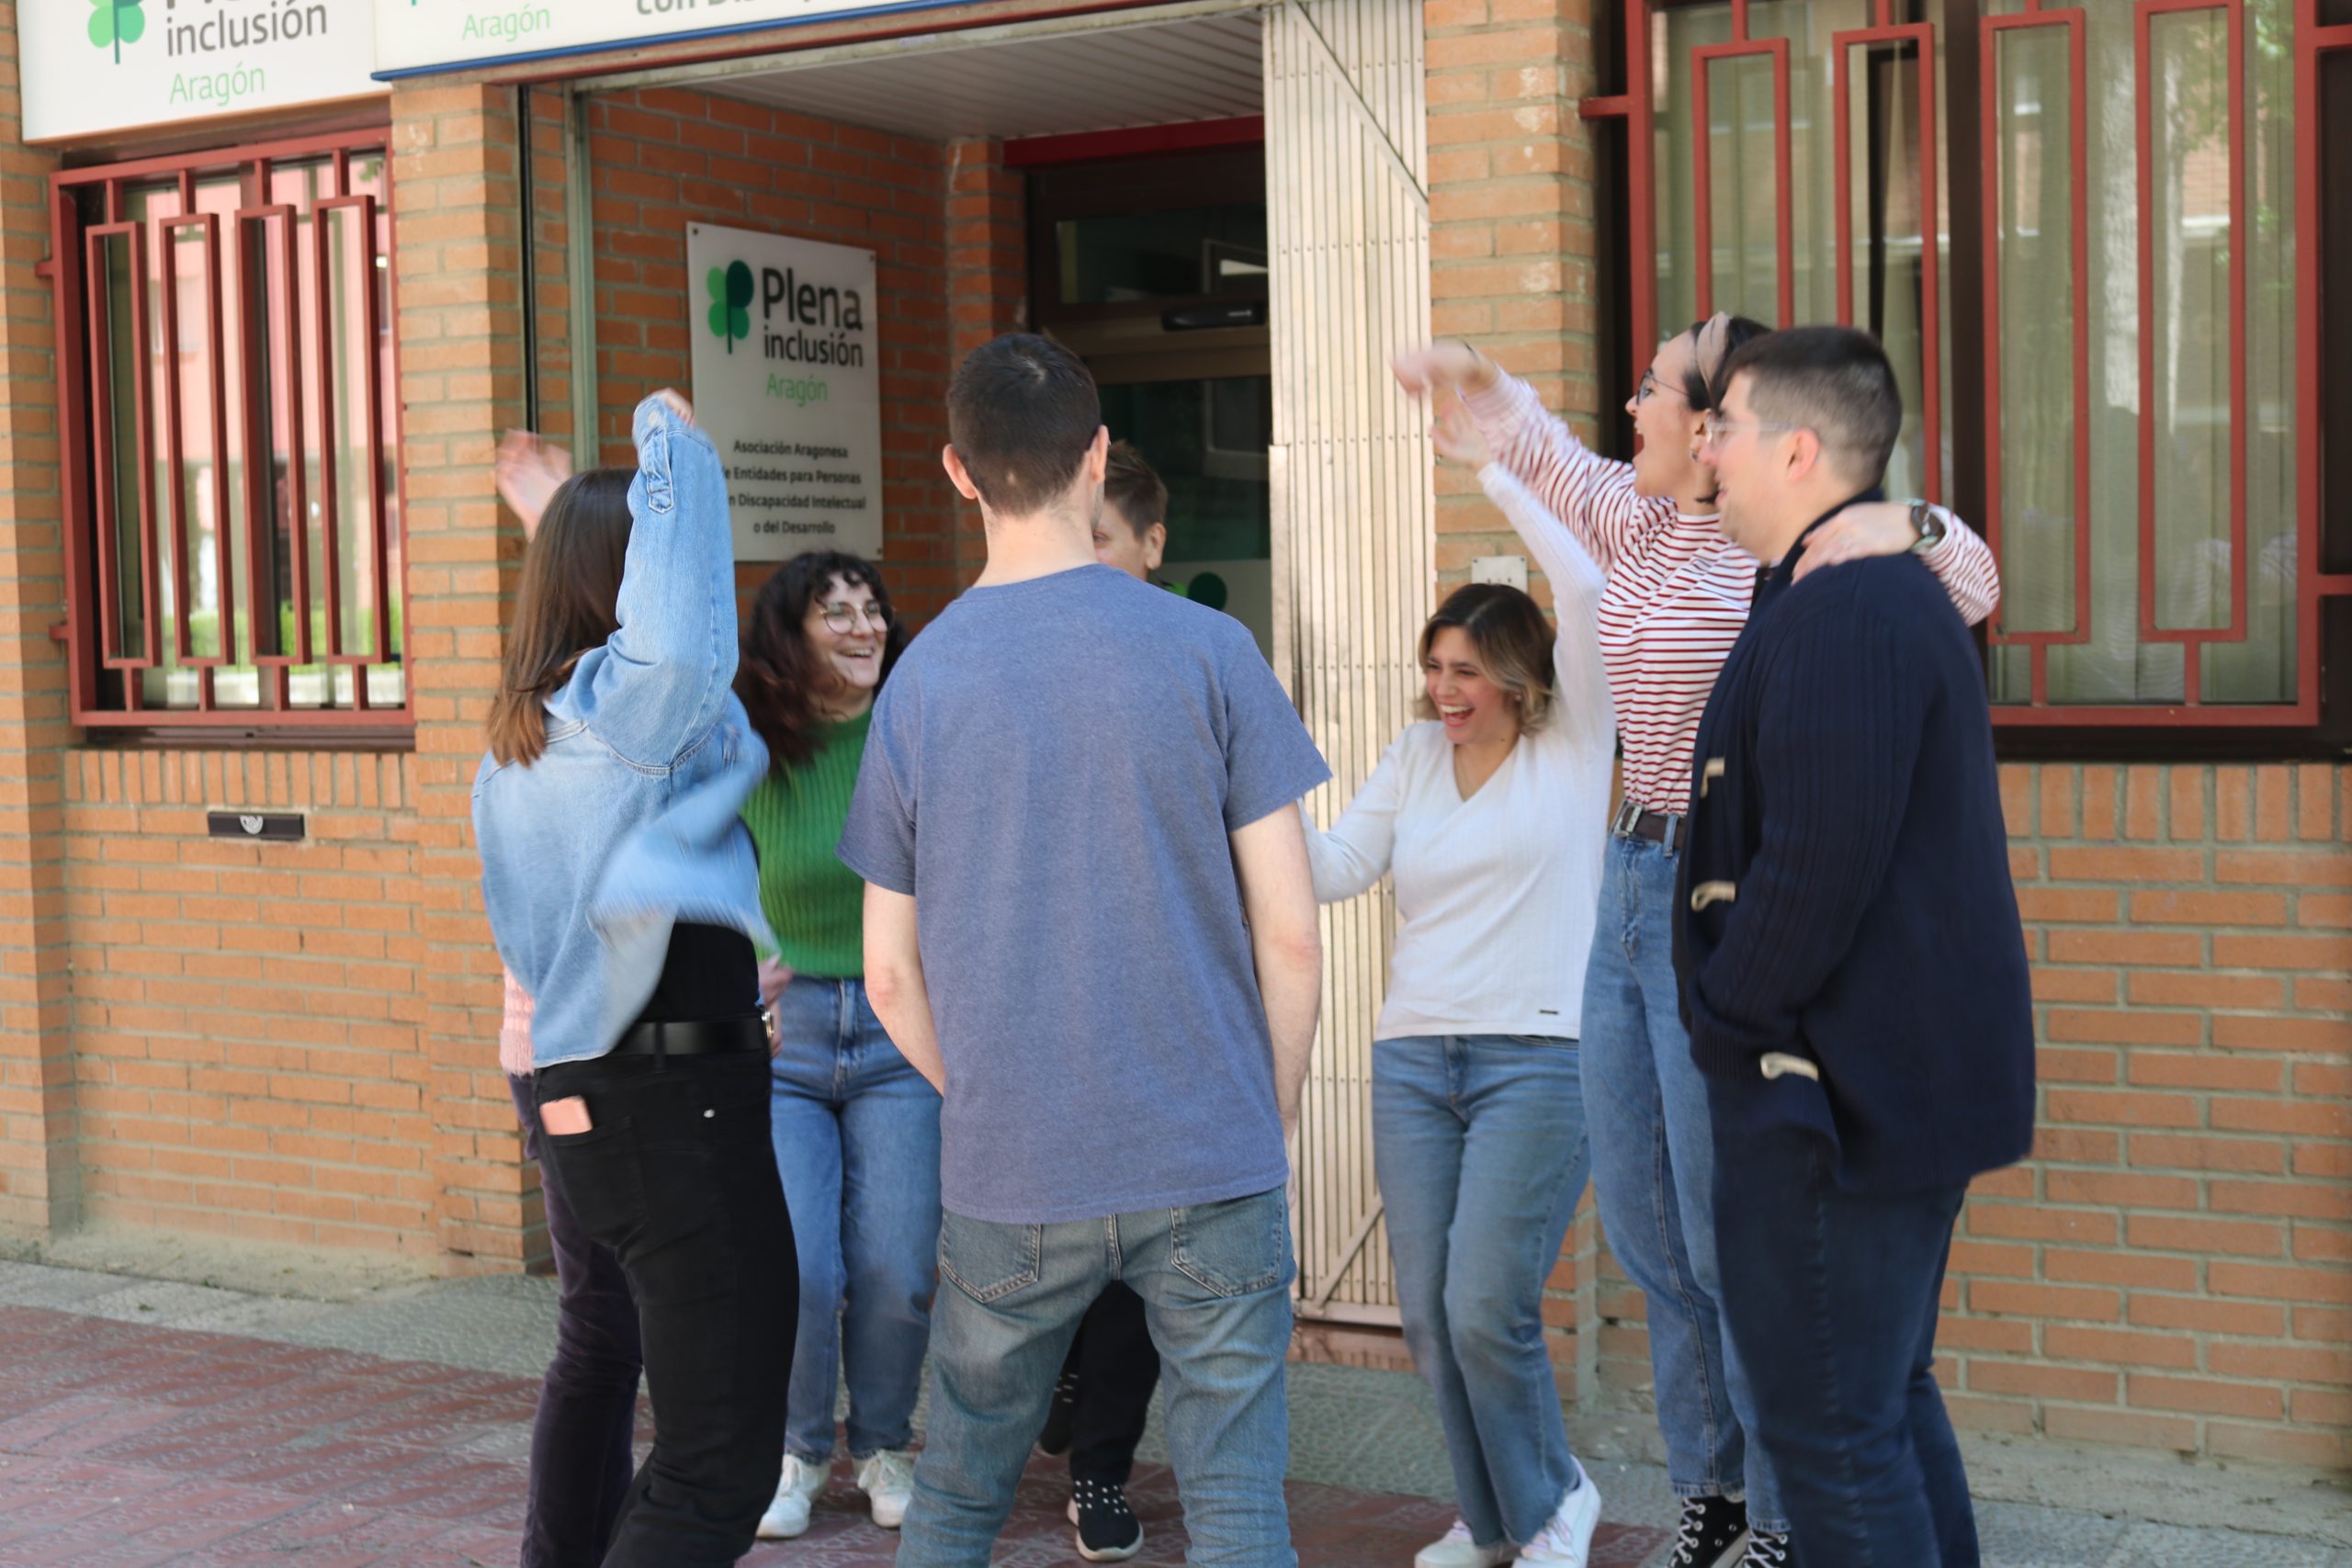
(230, 413)
(2094, 239)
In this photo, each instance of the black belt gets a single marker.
(703, 1038)
(1660, 828)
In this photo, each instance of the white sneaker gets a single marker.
(1458, 1551)
(888, 1479)
(797, 1491)
(1568, 1538)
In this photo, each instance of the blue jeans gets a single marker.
(1478, 1142)
(1215, 1280)
(856, 1133)
(1653, 1171)
(1836, 1312)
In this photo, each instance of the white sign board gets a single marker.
(439, 35)
(789, 382)
(93, 66)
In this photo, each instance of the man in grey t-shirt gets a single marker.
(1089, 922)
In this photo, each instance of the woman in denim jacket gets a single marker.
(623, 897)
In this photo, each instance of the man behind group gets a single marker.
(1089, 922)
(1854, 971)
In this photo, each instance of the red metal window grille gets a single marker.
(1936, 37)
(235, 558)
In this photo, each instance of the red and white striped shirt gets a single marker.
(1678, 591)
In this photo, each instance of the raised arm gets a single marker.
(1584, 715)
(1961, 560)
(660, 680)
(1591, 494)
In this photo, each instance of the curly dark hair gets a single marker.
(779, 675)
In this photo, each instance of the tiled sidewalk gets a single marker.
(124, 1445)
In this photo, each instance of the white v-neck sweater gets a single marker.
(1495, 894)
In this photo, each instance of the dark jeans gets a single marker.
(580, 1439)
(1830, 1298)
(1116, 1369)
(677, 1176)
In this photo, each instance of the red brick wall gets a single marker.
(246, 1015)
(2173, 1269)
(40, 1176)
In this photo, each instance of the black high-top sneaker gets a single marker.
(1712, 1530)
(1108, 1530)
(1765, 1549)
(1061, 1418)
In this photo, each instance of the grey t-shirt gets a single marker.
(1052, 772)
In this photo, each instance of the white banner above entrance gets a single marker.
(108, 65)
(789, 382)
(442, 35)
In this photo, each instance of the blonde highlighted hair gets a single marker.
(1512, 639)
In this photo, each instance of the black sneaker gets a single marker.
(1108, 1530)
(1712, 1531)
(1061, 1418)
(1766, 1549)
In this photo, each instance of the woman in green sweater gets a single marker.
(856, 1129)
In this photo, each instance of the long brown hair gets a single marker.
(568, 604)
(779, 675)
(1513, 642)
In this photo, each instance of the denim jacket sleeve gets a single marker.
(663, 678)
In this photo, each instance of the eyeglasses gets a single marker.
(843, 618)
(1717, 430)
(1650, 386)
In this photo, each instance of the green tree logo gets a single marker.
(731, 302)
(115, 23)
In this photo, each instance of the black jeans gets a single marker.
(580, 1439)
(1830, 1298)
(678, 1178)
(1117, 1368)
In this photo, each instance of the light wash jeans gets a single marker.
(856, 1133)
(1653, 1171)
(1478, 1144)
(1215, 1280)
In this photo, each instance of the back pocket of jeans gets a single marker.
(989, 1262)
(1236, 1248)
(597, 1178)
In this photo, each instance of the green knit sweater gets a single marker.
(815, 903)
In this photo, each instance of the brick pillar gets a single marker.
(458, 232)
(39, 1174)
(987, 283)
(1511, 268)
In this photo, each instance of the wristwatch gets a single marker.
(1928, 525)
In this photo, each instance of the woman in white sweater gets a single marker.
(1491, 816)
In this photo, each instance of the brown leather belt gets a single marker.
(1658, 827)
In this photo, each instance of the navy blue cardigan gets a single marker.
(1844, 788)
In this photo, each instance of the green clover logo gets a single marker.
(116, 23)
(730, 299)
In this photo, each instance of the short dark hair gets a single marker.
(1129, 484)
(1834, 381)
(1514, 642)
(1021, 413)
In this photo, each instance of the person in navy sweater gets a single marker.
(1854, 968)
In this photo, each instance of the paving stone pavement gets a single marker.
(147, 1422)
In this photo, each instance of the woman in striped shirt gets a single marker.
(1677, 596)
